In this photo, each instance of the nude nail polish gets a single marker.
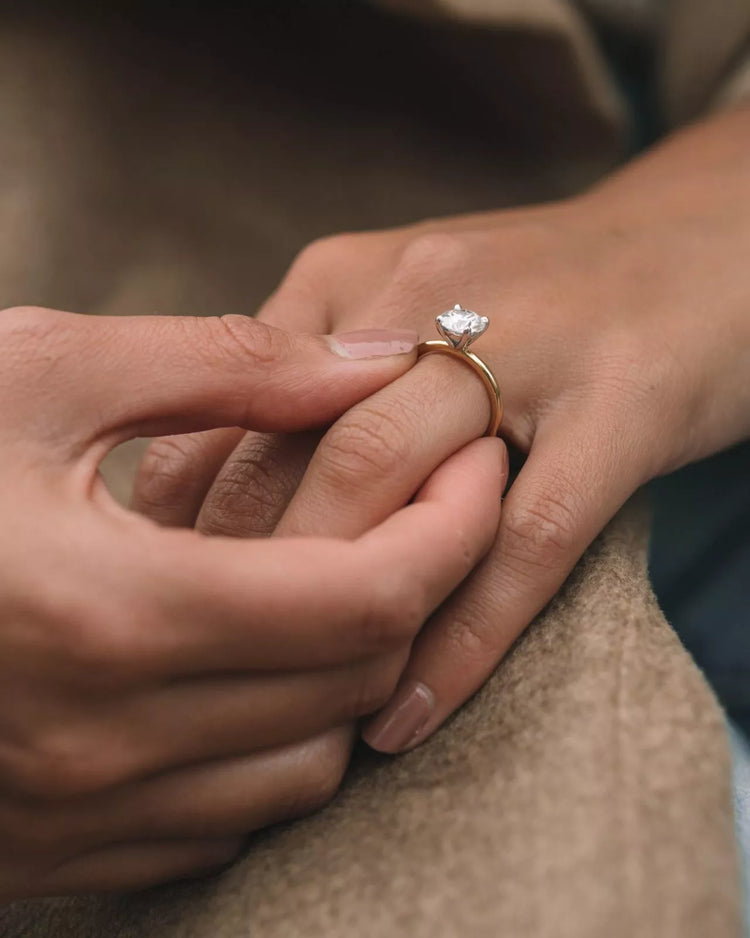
(403, 720)
(373, 343)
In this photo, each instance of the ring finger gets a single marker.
(368, 465)
(375, 457)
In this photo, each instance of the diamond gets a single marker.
(461, 326)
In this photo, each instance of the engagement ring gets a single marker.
(459, 327)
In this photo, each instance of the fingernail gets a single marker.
(401, 723)
(373, 343)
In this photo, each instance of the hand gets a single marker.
(161, 693)
(620, 335)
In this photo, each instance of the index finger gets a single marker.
(305, 603)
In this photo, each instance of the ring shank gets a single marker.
(441, 347)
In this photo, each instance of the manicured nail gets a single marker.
(401, 723)
(373, 343)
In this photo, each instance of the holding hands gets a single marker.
(163, 693)
(620, 336)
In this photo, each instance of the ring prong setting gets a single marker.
(460, 326)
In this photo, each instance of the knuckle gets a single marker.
(99, 642)
(376, 687)
(541, 531)
(430, 255)
(90, 643)
(467, 546)
(248, 496)
(59, 764)
(245, 341)
(105, 647)
(166, 468)
(323, 770)
(472, 634)
(29, 322)
(394, 611)
(25, 329)
(368, 444)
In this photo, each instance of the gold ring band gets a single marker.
(443, 347)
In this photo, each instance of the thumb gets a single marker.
(145, 376)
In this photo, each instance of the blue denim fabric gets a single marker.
(741, 779)
(700, 566)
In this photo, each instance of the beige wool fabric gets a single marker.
(585, 791)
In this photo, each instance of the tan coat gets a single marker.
(585, 791)
(703, 49)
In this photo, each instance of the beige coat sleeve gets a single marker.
(544, 52)
(703, 48)
(705, 60)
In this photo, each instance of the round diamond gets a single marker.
(461, 325)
